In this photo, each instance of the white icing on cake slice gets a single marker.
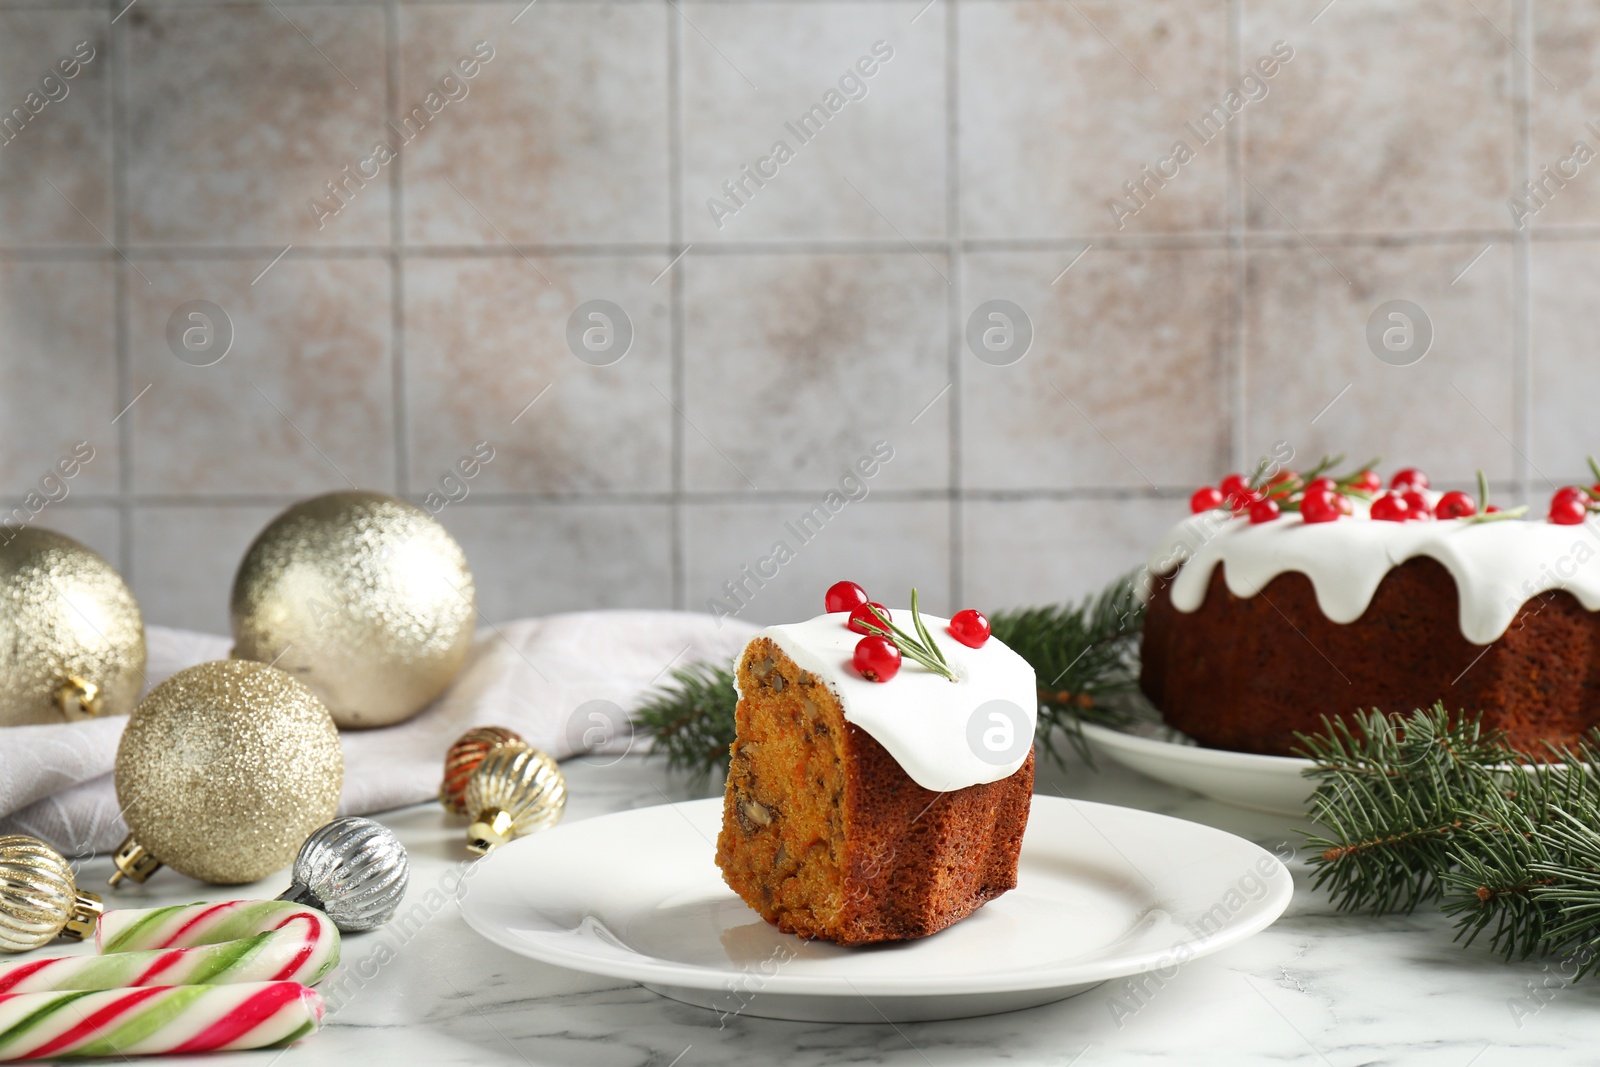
(1497, 566)
(923, 719)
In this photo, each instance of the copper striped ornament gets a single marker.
(463, 758)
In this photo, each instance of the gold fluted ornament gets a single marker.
(39, 897)
(463, 758)
(224, 769)
(513, 793)
(364, 598)
(71, 638)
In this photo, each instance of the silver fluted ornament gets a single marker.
(353, 869)
(514, 792)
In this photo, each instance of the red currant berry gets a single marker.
(876, 658)
(1205, 499)
(1321, 485)
(1568, 510)
(862, 614)
(1572, 492)
(1391, 507)
(1367, 481)
(844, 596)
(1420, 508)
(969, 627)
(1319, 507)
(1409, 478)
(1454, 505)
(1492, 509)
(1235, 483)
(1264, 511)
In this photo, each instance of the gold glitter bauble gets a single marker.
(514, 792)
(71, 639)
(223, 771)
(39, 897)
(364, 598)
(463, 758)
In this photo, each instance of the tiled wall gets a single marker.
(377, 345)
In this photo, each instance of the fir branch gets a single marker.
(691, 719)
(1397, 795)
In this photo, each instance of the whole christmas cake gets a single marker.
(1283, 601)
(880, 779)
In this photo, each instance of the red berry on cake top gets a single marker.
(1235, 484)
(1264, 511)
(970, 627)
(1418, 503)
(843, 596)
(1205, 499)
(1408, 478)
(861, 617)
(1391, 508)
(1454, 505)
(876, 659)
(1367, 481)
(1569, 506)
(1319, 507)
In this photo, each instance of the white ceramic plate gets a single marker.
(1102, 892)
(1273, 784)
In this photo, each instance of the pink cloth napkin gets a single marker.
(564, 682)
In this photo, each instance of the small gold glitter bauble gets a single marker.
(39, 897)
(514, 792)
(71, 639)
(223, 771)
(364, 598)
(463, 758)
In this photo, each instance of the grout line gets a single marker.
(1521, 310)
(678, 536)
(396, 256)
(954, 298)
(117, 45)
(1236, 368)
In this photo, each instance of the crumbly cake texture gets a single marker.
(1259, 635)
(826, 836)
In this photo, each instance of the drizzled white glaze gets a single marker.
(1497, 566)
(920, 717)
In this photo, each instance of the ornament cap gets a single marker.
(133, 861)
(79, 699)
(492, 828)
(86, 910)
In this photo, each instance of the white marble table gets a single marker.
(1319, 987)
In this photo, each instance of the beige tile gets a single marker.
(97, 525)
(1390, 116)
(1124, 384)
(887, 546)
(561, 136)
(1450, 413)
(184, 559)
(64, 137)
(1062, 103)
(58, 363)
(487, 337)
(751, 71)
(1566, 375)
(301, 402)
(1565, 100)
(239, 115)
(1028, 553)
(797, 364)
(541, 559)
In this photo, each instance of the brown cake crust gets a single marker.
(824, 834)
(1246, 673)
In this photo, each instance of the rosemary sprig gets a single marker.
(1483, 514)
(922, 648)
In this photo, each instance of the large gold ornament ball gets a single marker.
(364, 598)
(71, 637)
(225, 768)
